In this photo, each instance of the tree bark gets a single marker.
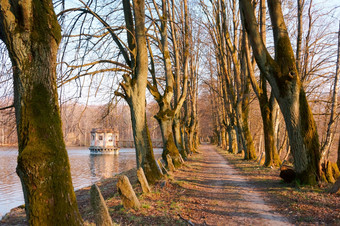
(300, 4)
(266, 106)
(180, 95)
(32, 34)
(283, 77)
(338, 161)
(166, 114)
(250, 153)
(169, 146)
(178, 136)
(134, 89)
(332, 119)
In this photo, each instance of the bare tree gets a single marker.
(283, 77)
(132, 60)
(267, 105)
(330, 127)
(167, 112)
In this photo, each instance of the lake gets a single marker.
(86, 169)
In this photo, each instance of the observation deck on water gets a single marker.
(104, 141)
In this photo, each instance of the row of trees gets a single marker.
(104, 51)
(114, 50)
(279, 79)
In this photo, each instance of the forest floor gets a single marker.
(213, 188)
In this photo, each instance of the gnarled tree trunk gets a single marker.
(166, 113)
(283, 77)
(135, 88)
(32, 34)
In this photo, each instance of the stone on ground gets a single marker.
(287, 174)
(170, 163)
(127, 194)
(181, 159)
(143, 181)
(101, 213)
(161, 165)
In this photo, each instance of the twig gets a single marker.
(188, 221)
(7, 107)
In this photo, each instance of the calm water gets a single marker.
(85, 169)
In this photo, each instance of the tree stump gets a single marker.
(143, 181)
(101, 213)
(171, 166)
(127, 194)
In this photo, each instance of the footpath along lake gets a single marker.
(86, 169)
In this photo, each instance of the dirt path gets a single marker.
(218, 195)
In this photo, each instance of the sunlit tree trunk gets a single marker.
(32, 34)
(166, 113)
(332, 120)
(135, 87)
(250, 153)
(178, 135)
(283, 77)
(266, 105)
(338, 161)
(300, 4)
(179, 95)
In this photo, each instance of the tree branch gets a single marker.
(7, 107)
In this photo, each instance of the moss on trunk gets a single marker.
(311, 141)
(178, 137)
(144, 152)
(250, 153)
(43, 166)
(271, 157)
(165, 119)
(338, 160)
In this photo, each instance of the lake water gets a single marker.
(85, 170)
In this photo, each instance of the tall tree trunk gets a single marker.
(144, 150)
(32, 34)
(134, 89)
(272, 157)
(300, 4)
(283, 77)
(179, 96)
(250, 153)
(232, 140)
(332, 119)
(338, 161)
(223, 138)
(178, 136)
(166, 114)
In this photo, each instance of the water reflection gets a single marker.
(104, 165)
(86, 169)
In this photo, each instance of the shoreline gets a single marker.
(17, 215)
